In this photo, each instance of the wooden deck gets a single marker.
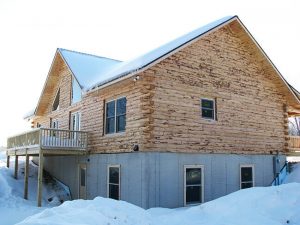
(49, 141)
(44, 142)
(294, 146)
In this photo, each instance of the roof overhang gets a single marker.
(294, 96)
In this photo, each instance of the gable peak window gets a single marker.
(115, 116)
(76, 91)
(55, 105)
(208, 110)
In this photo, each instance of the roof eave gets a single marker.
(159, 59)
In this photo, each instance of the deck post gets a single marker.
(7, 161)
(26, 177)
(16, 167)
(40, 179)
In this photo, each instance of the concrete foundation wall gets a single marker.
(157, 179)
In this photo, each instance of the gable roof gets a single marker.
(145, 60)
(87, 69)
(93, 72)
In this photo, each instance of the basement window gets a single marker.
(115, 116)
(193, 184)
(246, 176)
(76, 91)
(208, 109)
(113, 184)
(55, 105)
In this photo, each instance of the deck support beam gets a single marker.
(40, 179)
(26, 177)
(16, 167)
(7, 161)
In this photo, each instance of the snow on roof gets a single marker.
(136, 64)
(93, 71)
(29, 114)
(88, 69)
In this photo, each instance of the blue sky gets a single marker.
(31, 31)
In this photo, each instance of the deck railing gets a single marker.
(47, 138)
(294, 142)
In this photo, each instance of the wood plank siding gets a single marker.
(163, 106)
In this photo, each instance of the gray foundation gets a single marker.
(156, 179)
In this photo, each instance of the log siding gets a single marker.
(163, 111)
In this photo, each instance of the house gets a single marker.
(198, 118)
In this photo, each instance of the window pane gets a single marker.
(193, 194)
(247, 185)
(114, 191)
(246, 174)
(82, 177)
(114, 175)
(56, 102)
(76, 91)
(208, 113)
(121, 106)
(110, 109)
(110, 125)
(121, 123)
(193, 176)
(207, 103)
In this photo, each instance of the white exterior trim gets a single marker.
(80, 165)
(184, 182)
(119, 167)
(253, 173)
(214, 103)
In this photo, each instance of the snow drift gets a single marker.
(260, 205)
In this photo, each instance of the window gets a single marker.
(193, 184)
(114, 182)
(115, 116)
(76, 91)
(55, 105)
(75, 124)
(208, 108)
(246, 176)
(53, 125)
(82, 181)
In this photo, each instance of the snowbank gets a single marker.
(261, 205)
(294, 176)
(100, 211)
(13, 207)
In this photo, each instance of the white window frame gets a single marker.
(196, 166)
(214, 104)
(253, 174)
(52, 121)
(115, 116)
(79, 177)
(79, 120)
(108, 167)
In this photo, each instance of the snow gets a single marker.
(142, 61)
(93, 71)
(274, 205)
(88, 69)
(13, 208)
(294, 176)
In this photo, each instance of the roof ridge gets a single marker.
(171, 46)
(88, 54)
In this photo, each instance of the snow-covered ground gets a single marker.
(13, 207)
(260, 205)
